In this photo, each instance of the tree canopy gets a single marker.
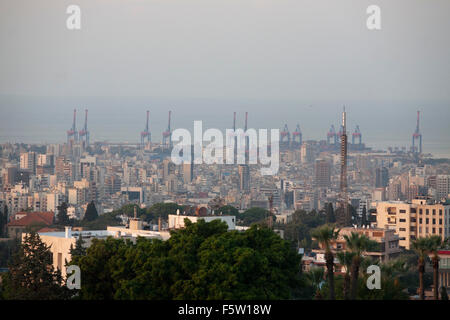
(31, 274)
(62, 218)
(252, 215)
(202, 261)
(298, 230)
(91, 212)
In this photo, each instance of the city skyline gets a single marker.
(121, 125)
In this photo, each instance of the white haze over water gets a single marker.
(283, 61)
(46, 120)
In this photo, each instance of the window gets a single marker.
(440, 212)
(402, 211)
(402, 229)
(440, 221)
(427, 221)
(444, 263)
(440, 230)
(420, 211)
(427, 211)
(434, 212)
(434, 230)
(377, 234)
(434, 221)
(420, 229)
(413, 219)
(402, 220)
(420, 220)
(413, 210)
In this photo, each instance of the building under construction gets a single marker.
(343, 217)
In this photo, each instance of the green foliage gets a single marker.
(229, 211)
(315, 278)
(112, 218)
(63, 218)
(31, 275)
(91, 213)
(329, 211)
(364, 220)
(161, 210)
(202, 261)
(79, 250)
(298, 230)
(252, 215)
(391, 289)
(421, 247)
(106, 219)
(325, 235)
(7, 248)
(128, 210)
(357, 244)
(101, 267)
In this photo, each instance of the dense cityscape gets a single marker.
(224, 159)
(72, 194)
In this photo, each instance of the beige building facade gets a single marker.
(411, 220)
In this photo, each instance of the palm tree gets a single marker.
(357, 243)
(434, 244)
(345, 259)
(315, 278)
(325, 235)
(421, 247)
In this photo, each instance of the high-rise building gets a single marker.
(28, 161)
(168, 168)
(306, 153)
(188, 172)
(322, 171)
(442, 186)
(394, 191)
(9, 176)
(87, 165)
(112, 184)
(244, 177)
(381, 177)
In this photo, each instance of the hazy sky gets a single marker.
(282, 60)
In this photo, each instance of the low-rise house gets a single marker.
(31, 219)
